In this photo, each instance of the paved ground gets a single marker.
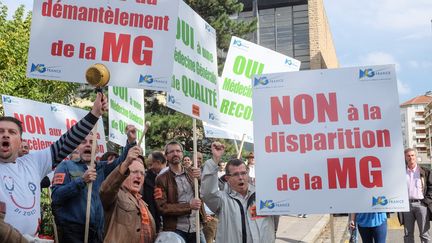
(294, 229)
(340, 228)
(316, 229)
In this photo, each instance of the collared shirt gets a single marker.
(185, 195)
(415, 187)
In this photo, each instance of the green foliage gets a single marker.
(167, 125)
(14, 44)
(47, 219)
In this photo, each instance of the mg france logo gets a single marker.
(7, 99)
(171, 99)
(261, 80)
(149, 79)
(207, 27)
(367, 73)
(239, 43)
(57, 108)
(267, 204)
(212, 116)
(380, 200)
(270, 204)
(41, 68)
(38, 68)
(145, 79)
(290, 62)
(370, 73)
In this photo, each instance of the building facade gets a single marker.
(296, 28)
(428, 125)
(414, 129)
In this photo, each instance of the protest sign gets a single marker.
(245, 59)
(126, 107)
(39, 129)
(332, 136)
(43, 124)
(216, 132)
(133, 39)
(194, 82)
(68, 116)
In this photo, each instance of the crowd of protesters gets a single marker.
(134, 199)
(128, 203)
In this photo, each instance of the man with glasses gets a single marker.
(127, 218)
(174, 195)
(235, 206)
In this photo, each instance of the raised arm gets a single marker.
(111, 186)
(70, 140)
(131, 142)
(209, 182)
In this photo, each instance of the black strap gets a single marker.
(250, 200)
(244, 235)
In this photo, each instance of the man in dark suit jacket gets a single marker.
(157, 162)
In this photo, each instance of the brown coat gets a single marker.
(167, 200)
(7, 232)
(122, 212)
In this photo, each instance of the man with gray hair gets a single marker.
(419, 183)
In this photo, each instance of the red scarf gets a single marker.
(147, 233)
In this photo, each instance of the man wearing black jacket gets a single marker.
(157, 163)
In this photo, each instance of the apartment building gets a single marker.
(414, 129)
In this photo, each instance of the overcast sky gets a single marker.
(371, 32)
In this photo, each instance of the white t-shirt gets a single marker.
(20, 189)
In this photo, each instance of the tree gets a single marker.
(14, 44)
(167, 125)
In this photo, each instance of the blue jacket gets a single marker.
(69, 192)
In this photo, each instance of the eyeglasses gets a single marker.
(238, 174)
(135, 172)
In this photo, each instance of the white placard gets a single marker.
(126, 107)
(194, 83)
(68, 116)
(43, 124)
(134, 39)
(329, 136)
(39, 129)
(245, 59)
(216, 132)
